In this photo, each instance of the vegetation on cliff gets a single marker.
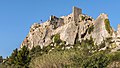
(90, 29)
(107, 26)
(19, 58)
(83, 54)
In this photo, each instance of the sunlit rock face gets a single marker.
(40, 34)
(117, 39)
(100, 31)
(118, 31)
(71, 27)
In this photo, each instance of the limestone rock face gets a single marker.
(67, 32)
(117, 39)
(100, 32)
(83, 31)
(118, 31)
(71, 27)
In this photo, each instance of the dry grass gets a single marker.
(53, 60)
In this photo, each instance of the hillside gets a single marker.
(73, 41)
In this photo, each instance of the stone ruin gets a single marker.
(70, 27)
(76, 13)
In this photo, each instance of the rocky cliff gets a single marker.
(75, 26)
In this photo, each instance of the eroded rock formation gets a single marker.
(75, 25)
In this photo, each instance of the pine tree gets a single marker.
(23, 57)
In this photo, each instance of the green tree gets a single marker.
(12, 59)
(18, 59)
(1, 59)
(23, 57)
(57, 39)
(36, 51)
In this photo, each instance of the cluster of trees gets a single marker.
(19, 58)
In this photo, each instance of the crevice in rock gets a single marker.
(83, 35)
(77, 37)
(46, 33)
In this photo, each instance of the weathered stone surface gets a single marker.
(40, 34)
(76, 13)
(67, 32)
(71, 27)
(117, 39)
(100, 32)
(118, 31)
(83, 30)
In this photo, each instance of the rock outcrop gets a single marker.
(100, 32)
(74, 26)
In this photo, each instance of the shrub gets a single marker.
(115, 56)
(90, 29)
(88, 47)
(98, 60)
(82, 17)
(114, 60)
(107, 26)
(35, 51)
(56, 38)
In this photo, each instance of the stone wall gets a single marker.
(76, 13)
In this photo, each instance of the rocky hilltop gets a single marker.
(73, 41)
(75, 26)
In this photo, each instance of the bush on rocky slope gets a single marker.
(84, 54)
(107, 26)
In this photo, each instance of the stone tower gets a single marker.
(76, 13)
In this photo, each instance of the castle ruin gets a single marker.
(76, 13)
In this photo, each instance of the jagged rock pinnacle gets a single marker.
(70, 27)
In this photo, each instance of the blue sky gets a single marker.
(16, 16)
